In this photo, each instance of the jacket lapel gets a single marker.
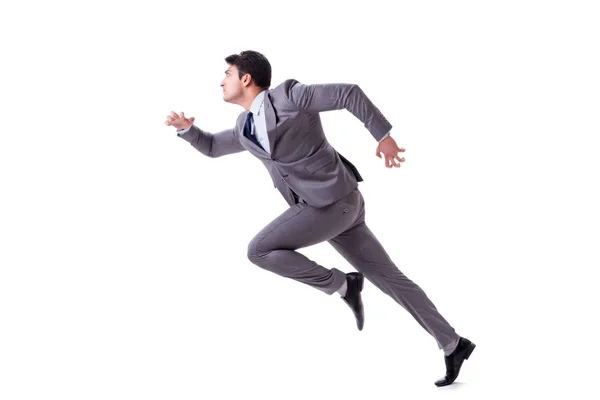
(271, 121)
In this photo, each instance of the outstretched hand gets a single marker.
(390, 151)
(179, 121)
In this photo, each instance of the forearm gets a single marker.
(209, 144)
(358, 104)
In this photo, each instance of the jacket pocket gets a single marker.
(320, 163)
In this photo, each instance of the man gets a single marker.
(282, 128)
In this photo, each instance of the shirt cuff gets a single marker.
(182, 131)
(386, 135)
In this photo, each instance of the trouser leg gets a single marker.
(364, 252)
(275, 247)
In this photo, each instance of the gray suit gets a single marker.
(330, 207)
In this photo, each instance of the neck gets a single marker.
(249, 97)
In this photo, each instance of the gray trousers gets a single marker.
(343, 225)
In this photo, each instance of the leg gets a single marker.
(362, 250)
(274, 247)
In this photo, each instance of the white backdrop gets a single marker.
(123, 269)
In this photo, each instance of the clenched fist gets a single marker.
(179, 121)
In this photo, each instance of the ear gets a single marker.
(246, 79)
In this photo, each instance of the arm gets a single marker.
(212, 145)
(337, 96)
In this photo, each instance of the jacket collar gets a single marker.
(271, 120)
(264, 99)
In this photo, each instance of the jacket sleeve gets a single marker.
(213, 144)
(336, 96)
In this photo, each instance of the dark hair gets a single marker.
(253, 63)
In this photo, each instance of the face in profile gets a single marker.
(232, 85)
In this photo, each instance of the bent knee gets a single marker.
(254, 254)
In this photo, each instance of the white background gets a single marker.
(123, 269)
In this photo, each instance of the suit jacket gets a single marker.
(300, 156)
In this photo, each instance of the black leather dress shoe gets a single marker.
(355, 281)
(454, 361)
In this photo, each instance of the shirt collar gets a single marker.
(257, 103)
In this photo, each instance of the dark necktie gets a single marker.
(248, 130)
